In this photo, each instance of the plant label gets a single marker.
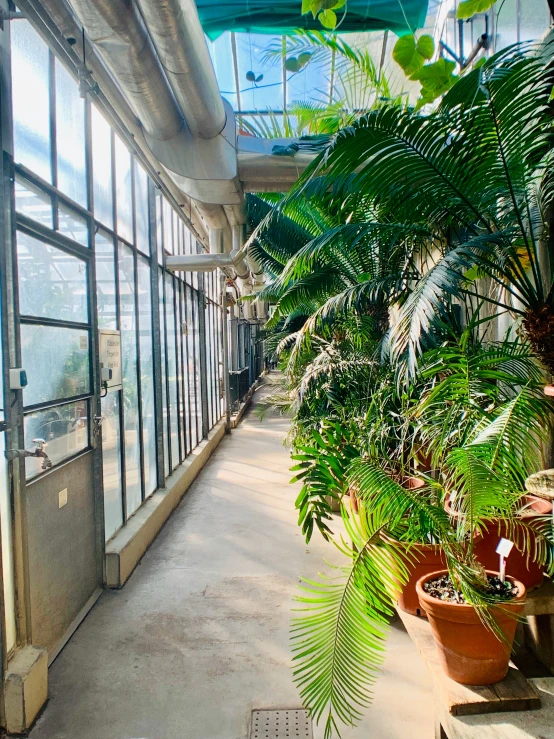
(504, 547)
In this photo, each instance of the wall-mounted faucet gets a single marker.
(38, 451)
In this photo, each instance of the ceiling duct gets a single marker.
(175, 29)
(117, 30)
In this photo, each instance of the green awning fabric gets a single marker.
(284, 16)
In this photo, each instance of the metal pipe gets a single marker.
(117, 29)
(198, 262)
(175, 29)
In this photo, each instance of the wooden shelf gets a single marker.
(514, 693)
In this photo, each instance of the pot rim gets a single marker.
(422, 594)
(524, 513)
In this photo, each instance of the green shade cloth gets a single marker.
(284, 16)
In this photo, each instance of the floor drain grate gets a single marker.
(282, 723)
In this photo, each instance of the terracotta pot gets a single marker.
(485, 543)
(430, 558)
(469, 652)
(413, 483)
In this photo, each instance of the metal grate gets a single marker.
(282, 723)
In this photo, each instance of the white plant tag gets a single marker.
(504, 547)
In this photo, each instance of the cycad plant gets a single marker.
(339, 634)
(465, 192)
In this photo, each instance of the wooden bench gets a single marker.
(514, 693)
(515, 725)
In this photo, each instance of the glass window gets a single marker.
(70, 137)
(31, 99)
(148, 408)
(172, 368)
(111, 459)
(52, 283)
(168, 227)
(196, 347)
(57, 362)
(33, 202)
(535, 19)
(106, 303)
(193, 434)
(130, 378)
(159, 236)
(187, 245)
(164, 372)
(65, 428)
(124, 190)
(102, 168)
(506, 24)
(73, 225)
(142, 216)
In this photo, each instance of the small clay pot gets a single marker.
(469, 652)
(518, 564)
(430, 558)
(413, 483)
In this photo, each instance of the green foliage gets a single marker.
(468, 8)
(436, 79)
(339, 637)
(411, 53)
(322, 469)
(391, 261)
(324, 10)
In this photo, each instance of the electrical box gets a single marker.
(18, 379)
(109, 347)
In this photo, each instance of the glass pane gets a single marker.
(111, 457)
(535, 19)
(506, 24)
(52, 283)
(142, 215)
(147, 376)
(168, 227)
(164, 372)
(102, 168)
(130, 379)
(123, 190)
(105, 281)
(196, 344)
(70, 137)
(73, 225)
(172, 369)
(57, 362)
(159, 237)
(191, 370)
(65, 429)
(33, 202)
(31, 99)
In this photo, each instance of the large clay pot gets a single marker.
(518, 564)
(470, 653)
(430, 558)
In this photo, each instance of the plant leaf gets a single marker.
(328, 19)
(468, 8)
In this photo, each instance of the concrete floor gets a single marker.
(198, 637)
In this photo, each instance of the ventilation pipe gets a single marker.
(177, 34)
(117, 30)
